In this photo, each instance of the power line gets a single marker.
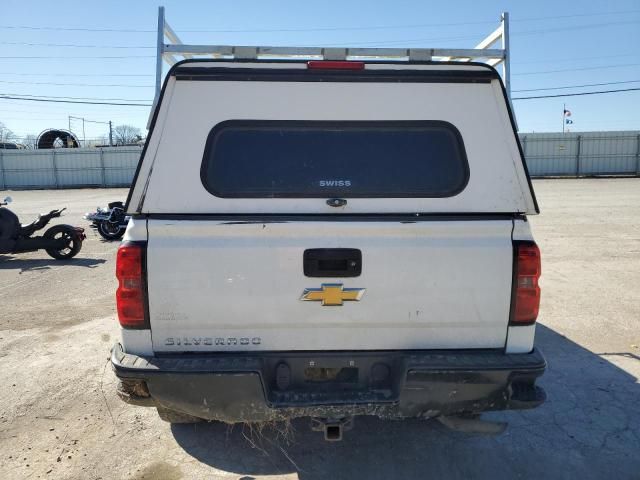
(267, 30)
(74, 45)
(78, 84)
(591, 57)
(335, 29)
(73, 57)
(578, 68)
(391, 27)
(59, 100)
(316, 29)
(573, 15)
(576, 86)
(402, 41)
(9, 97)
(33, 108)
(35, 74)
(86, 121)
(75, 29)
(378, 42)
(149, 86)
(575, 27)
(97, 85)
(470, 37)
(577, 94)
(77, 98)
(514, 33)
(258, 30)
(60, 74)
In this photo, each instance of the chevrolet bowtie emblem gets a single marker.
(332, 294)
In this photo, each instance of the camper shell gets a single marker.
(329, 239)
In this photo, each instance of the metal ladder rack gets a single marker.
(167, 52)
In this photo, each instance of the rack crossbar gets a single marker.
(173, 50)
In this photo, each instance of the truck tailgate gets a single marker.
(219, 285)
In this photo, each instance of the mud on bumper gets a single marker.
(248, 387)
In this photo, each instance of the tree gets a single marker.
(30, 141)
(125, 134)
(6, 135)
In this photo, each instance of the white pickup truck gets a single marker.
(329, 239)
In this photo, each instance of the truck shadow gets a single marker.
(588, 428)
(10, 262)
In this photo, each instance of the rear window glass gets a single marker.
(249, 159)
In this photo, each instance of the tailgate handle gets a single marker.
(332, 262)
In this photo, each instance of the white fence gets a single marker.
(547, 155)
(582, 154)
(68, 167)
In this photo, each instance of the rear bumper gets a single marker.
(256, 387)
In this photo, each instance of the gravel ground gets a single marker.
(60, 417)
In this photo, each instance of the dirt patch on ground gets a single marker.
(159, 471)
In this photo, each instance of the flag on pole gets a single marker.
(566, 113)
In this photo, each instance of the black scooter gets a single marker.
(61, 242)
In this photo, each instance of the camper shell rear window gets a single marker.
(323, 159)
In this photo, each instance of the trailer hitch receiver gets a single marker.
(333, 428)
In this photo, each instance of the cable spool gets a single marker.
(54, 138)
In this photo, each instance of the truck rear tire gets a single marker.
(171, 416)
(110, 231)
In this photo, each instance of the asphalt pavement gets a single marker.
(60, 417)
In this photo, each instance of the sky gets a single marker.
(106, 50)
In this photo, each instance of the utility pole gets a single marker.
(110, 135)
(564, 115)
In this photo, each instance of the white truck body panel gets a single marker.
(520, 339)
(190, 109)
(219, 282)
(428, 285)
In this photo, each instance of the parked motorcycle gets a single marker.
(110, 222)
(61, 242)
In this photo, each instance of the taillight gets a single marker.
(526, 291)
(334, 65)
(131, 293)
